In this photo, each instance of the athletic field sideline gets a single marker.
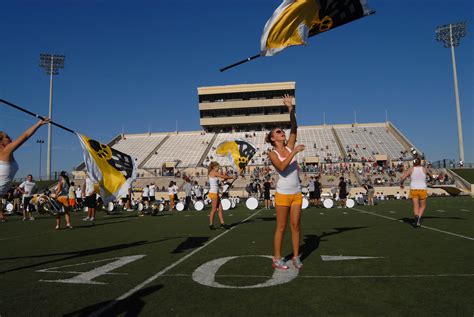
(174, 265)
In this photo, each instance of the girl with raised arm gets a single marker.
(288, 198)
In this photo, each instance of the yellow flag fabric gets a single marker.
(113, 170)
(238, 152)
(296, 20)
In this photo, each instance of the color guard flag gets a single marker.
(296, 20)
(239, 153)
(113, 170)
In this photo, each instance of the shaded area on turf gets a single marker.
(132, 306)
(190, 243)
(78, 254)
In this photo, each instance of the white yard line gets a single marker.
(423, 226)
(160, 273)
(338, 276)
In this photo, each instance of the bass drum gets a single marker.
(252, 203)
(226, 204)
(305, 203)
(199, 205)
(180, 206)
(233, 203)
(110, 206)
(350, 203)
(328, 203)
(140, 207)
(9, 207)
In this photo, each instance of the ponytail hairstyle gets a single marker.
(268, 137)
(212, 166)
(63, 174)
(417, 162)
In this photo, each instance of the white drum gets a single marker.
(233, 203)
(9, 207)
(180, 206)
(350, 203)
(305, 203)
(226, 204)
(161, 207)
(110, 206)
(238, 200)
(252, 203)
(304, 190)
(199, 205)
(328, 203)
(140, 207)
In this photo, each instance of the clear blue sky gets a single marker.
(136, 64)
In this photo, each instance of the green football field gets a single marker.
(366, 261)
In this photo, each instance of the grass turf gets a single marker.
(418, 271)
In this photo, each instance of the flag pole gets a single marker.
(36, 115)
(241, 62)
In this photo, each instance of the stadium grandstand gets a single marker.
(363, 151)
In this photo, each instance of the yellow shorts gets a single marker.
(63, 200)
(212, 196)
(288, 200)
(418, 193)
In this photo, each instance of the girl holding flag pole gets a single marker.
(214, 176)
(288, 198)
(8, 165)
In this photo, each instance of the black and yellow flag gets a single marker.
(239, 153)
(113, 170)
(296, 20)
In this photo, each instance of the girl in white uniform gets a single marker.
(8, 165)
(418, 189)
(288, 198)
(213, 194)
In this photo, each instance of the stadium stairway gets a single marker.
(339, 144)
(153, 152)
(206, 152)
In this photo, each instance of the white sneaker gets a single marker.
(91, 219)
(32, 218)
(86, 219)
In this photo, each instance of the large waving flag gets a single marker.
(239, 153)
(113, 170)
(296, 20)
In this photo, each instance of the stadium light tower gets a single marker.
(51, 64)
(450, 35)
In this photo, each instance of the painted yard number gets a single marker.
(204, 275)
(87, 277)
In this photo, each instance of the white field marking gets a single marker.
(346, 258)
(440, 210)
(392, 212)
(206, 274)
(423, 226)
(465, 210)
(321, 213)
(87, 277)
(166, 269)
(344, 213)
(336, 276)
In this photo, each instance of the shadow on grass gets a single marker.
(235, 224)
(78, 254)
(311, 242)
(190, 243)
(131, 306)
(87, 225)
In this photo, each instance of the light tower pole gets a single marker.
(450, 35)
(51, 64)
(40, 142)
